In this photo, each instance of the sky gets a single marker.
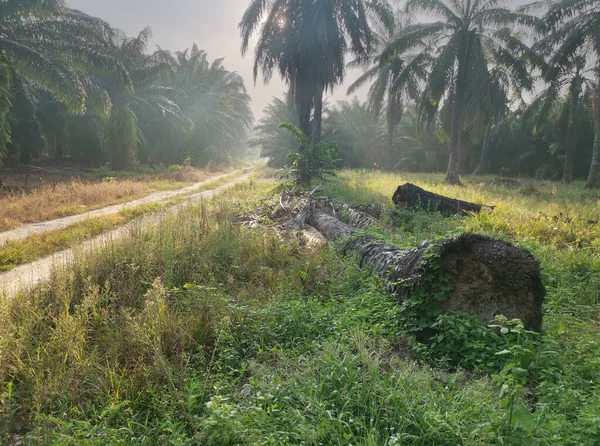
(211, 24)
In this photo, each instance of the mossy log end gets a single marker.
(414, 197)
(488, 276)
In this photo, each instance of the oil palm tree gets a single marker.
(360, 135)
(215, 100)
(420, 149)
(146, 97)
(570, 27)
(276, 143)
(506, 90)
(470, 35)
(46, 46)
(397, 78)
(307, 41)
(576, 79)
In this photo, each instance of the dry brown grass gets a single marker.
(75, 196)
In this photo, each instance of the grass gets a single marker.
(34, 247)
(195, 330)
(94, 191)
(560, 224)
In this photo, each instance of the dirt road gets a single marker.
(36, 272)
(61, 223)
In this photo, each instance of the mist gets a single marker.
(212, 25)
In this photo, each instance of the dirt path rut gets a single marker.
(32, 274)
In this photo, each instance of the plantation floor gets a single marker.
(193, 329)
(33, 273)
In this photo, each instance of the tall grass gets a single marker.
(559, 223)
(114, 323)
(80, 195)
(197, 330)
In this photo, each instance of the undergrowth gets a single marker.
(196, 330)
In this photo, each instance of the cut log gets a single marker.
(313, 237)
(360, 220)
(414, 197)
(488, 276)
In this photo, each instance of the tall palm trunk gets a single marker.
(594, 175)
(390, 137)
(59, 150)
(464, 152)
(304, 99)
(485, 152)
(452, 175)
(394, 116)
(571, 140)
(304, 103)
(458, 118)
(318, 116)
(569, 151)
(121, 138)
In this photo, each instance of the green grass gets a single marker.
(34, 247)
(560, 225)
(195, 330)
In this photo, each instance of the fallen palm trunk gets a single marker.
(313, 237)
(411, 196)
(487, 276)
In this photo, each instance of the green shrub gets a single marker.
(311, 161)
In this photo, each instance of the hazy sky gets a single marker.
(212, 24)
(176, 24)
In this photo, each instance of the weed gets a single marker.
(94, 191)
(194, 330)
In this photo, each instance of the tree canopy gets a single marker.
(475, 75)
(71, 85)
(477, 86)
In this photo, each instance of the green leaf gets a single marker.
(519, 372)
(523, 417)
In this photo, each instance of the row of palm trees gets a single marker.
(70, 84)
(466, 71)
(516, 146)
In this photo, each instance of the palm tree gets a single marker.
(574, 78)
(397, 78)
(214, 99)
(146, 96)
(420, 149)
(360, 135)
(571, 27)
(505, 90)
(276, 143)
(471, 34)
(46, 46)
(307, 42)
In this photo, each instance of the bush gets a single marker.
(312, 161)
